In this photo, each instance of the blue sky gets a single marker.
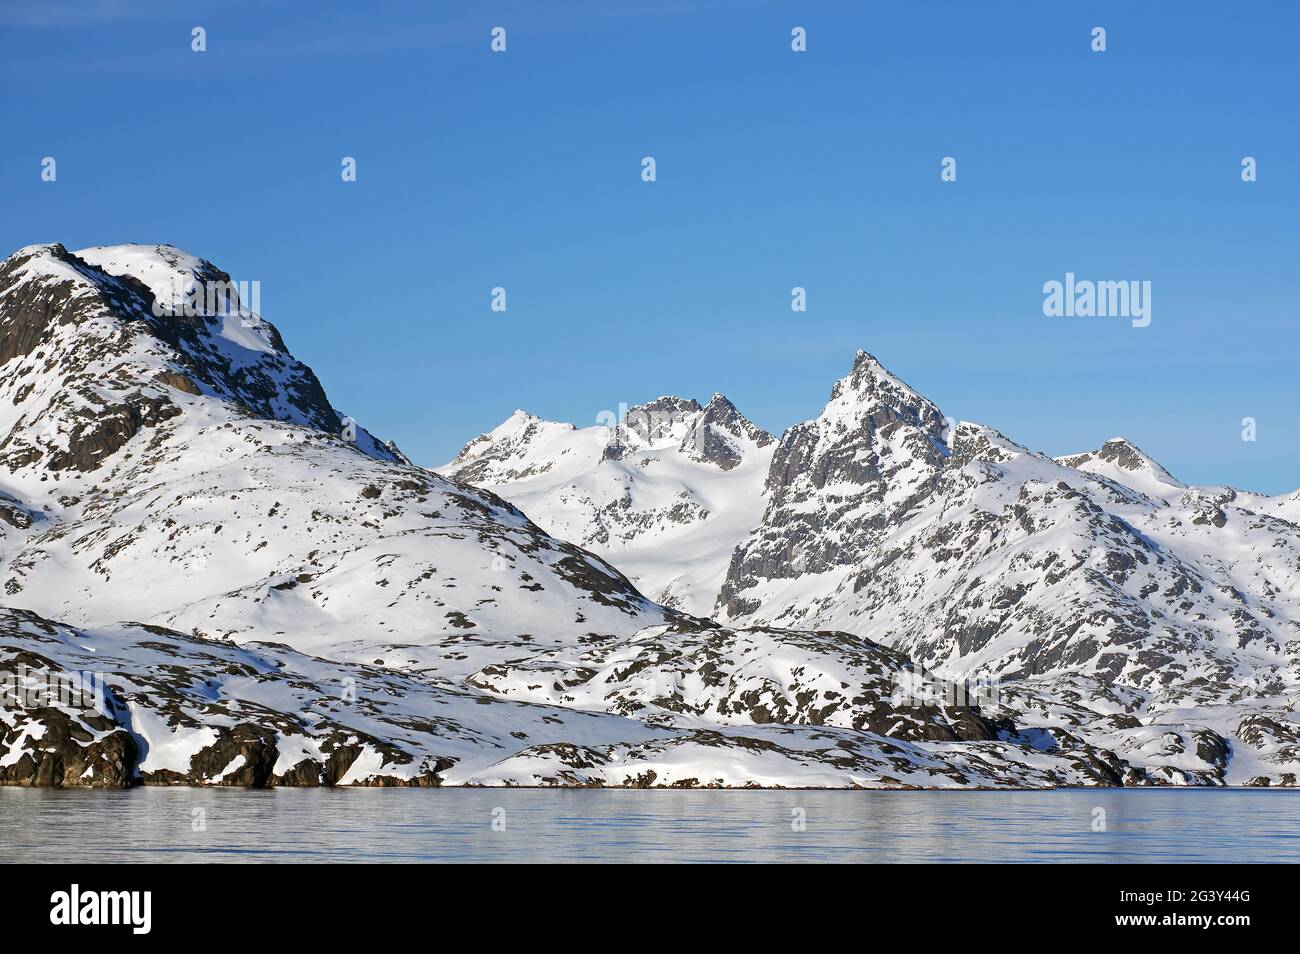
(775, 169)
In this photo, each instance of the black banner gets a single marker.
(147, 903)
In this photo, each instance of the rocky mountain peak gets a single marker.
(873, 424)
(864, 359)
(515, 449)
(722, 412)
(872, 394)
(1128, 456)
(721, 435)
(837, 483)
(178, 466)
(664, 418)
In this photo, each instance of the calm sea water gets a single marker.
(448, 825)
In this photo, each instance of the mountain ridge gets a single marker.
(272, 596)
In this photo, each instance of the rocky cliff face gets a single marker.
(837, 484)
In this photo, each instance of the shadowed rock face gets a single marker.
(839, 482)
(99, 433)
(72, 756)
(720, 434)
(159, 688)
(58, 749)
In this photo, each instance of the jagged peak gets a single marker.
(867, 366)
(667, 403)
(705, 443)
(872, 392)
(715, 433)
(722, 411)
(865, 358)
(868, 373)
(666, 418)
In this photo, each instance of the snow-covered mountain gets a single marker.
(185, 513)
(976, 555)
(187, 471)
(981, 559)
(667, 493)
(267, 594)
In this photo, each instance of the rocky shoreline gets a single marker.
(171, 709)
